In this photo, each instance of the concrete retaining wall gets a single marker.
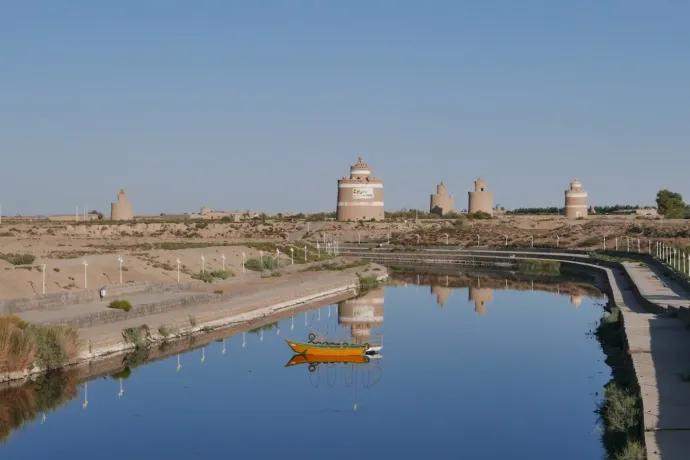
(59, 300)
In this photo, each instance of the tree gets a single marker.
(671, 205)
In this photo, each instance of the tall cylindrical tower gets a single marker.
(360, 197)
(441, 201)
(480, 200)
(575, 201)
(121, 209)
(362, 314)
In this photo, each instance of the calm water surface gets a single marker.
(512, 375)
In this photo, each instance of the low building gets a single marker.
(649, 212)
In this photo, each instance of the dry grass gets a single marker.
(17, 349)
(47, 346)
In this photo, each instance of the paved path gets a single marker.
(58, 315)
(660, 351)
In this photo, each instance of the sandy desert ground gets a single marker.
(150, 250)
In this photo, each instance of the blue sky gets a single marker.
(263, 105)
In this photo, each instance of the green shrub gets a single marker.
(134, 335)
(633, 450)
(164, 330)
(258, 265)
(541, 267)
(222, 274)
(275, 274)
(206, 277)
(18, 259)
(123, 374)
(367, 283)
(120, 305)
(55, 345)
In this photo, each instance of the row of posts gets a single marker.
(332, 248)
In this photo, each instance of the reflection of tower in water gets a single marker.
(480, 296)
(362, 314)
(441, 293)
(576, 300)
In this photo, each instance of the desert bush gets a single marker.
(222, 274)
(55, 345)
(192, 321)
(123, 374)
(367, 283)
(18, 259)
(258, 265)
(134, 335)
(121, 305)
(206, 277)
(17, 348)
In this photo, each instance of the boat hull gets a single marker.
(316, 349)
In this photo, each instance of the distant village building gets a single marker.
(235, 216)
(480, 200)
(121, 209)
(441, 201)
(360, 197)
(575, 201)
(650, 212)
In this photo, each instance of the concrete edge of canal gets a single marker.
(222, 321)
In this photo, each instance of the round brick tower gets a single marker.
(575, 201)
(121, 209)
(360, 197)
(362, 314)
(441, 201)
(480, 200)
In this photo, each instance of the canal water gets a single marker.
(476, 372)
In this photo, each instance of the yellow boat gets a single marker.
(321, 359)
(327, 348)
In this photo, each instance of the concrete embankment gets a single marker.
(181, 314)
(655, 306)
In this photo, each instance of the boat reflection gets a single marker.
(315, 360)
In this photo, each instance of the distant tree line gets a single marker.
(615, 209)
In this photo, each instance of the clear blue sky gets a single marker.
(263, 105)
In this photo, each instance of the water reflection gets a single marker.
(362, 314)
(480, 288)
(425, 341)
(24, 404)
